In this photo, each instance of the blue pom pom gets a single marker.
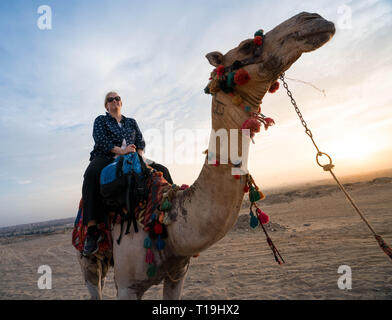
(147, 242)
(254, 222)
(160, 243)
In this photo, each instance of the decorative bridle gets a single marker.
(226, 79)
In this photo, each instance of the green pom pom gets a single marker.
(166, 205)
(254, 222)
(259, 33)
(147, 243)
(230, 79)
(254, 195)
(247, 108)
(152, 270)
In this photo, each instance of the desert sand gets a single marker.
(314, 228)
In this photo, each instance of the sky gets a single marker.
(53, 83)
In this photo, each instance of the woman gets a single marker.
(114, 135)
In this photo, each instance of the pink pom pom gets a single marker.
(262, 216)
(252, 124)
(149, 256)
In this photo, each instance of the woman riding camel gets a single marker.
(114, 135)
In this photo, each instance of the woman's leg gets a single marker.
(91, 194)
(93, 208)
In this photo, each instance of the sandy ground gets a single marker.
(316, 232)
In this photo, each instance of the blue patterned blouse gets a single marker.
(107, 134)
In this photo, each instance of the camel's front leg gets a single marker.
(129, 294)
(172, 285)
(172, 290)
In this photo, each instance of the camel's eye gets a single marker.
(246, 48)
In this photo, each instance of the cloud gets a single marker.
(54, 82)
(24, 182)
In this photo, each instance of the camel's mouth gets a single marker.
(319, 37)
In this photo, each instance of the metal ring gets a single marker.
(320, 154)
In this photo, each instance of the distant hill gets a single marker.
(37, 228)
(278, 195)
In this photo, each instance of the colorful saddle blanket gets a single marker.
(157, 186)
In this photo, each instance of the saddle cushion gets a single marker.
(157, 186)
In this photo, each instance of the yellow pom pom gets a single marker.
(214, 86)
(237, 100)
(262, 196)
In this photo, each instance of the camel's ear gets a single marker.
(215, 58)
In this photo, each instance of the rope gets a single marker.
(328, 167)
(309, 84)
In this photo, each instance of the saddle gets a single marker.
(142, 212)
(123, 185)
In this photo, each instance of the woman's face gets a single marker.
(113, 106)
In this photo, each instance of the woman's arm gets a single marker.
(100, 135)
(139, 141)
(128, 149)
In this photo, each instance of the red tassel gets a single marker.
(220, 70)
(258, 40)
(252, 124)
(241, 77)
(262, 216)
(269, 122)
(149, 256)
(158, 228)
(274, 87)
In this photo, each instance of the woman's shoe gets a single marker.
(91, 243)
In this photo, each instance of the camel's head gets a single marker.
(281, 47)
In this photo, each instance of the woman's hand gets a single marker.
(130, 148)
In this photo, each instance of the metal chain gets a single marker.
(326, 167)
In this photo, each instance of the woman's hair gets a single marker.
(106, 97)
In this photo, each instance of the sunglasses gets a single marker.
(111, 99)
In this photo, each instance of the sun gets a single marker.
(354, 148)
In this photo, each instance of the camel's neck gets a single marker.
(209, 208)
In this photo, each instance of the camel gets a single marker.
(208, 209)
